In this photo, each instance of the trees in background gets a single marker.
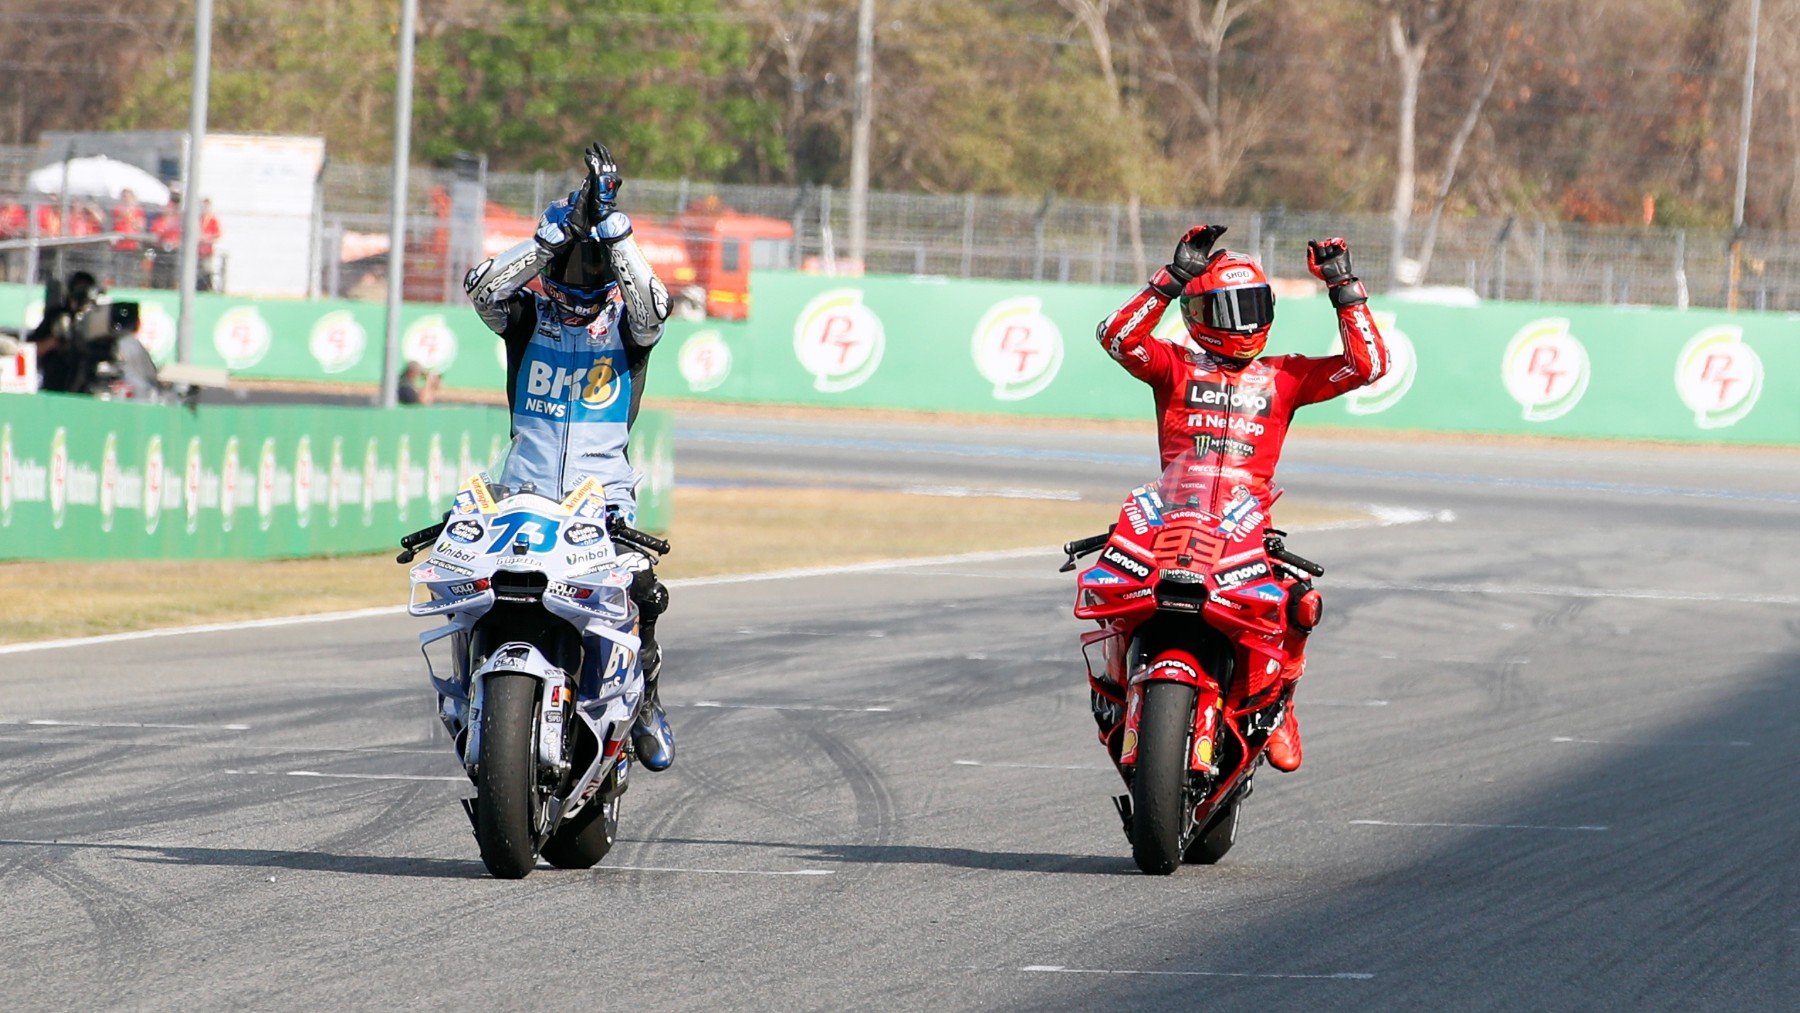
(1593, 110)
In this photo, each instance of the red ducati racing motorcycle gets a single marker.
(1203, 619)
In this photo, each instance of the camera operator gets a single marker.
(62, 355)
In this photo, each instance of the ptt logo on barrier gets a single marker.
(1403, 367)
(1017, 348)
(337, 341)
(156, 332)
(241, 337)
(1718, 377)
(430, 342)
(839, 340)
(704, 361)
(1545, 369)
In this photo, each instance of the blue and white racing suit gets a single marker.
(573, 387)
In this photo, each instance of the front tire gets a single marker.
(585, 838)
(505, 781)
(1159, 803)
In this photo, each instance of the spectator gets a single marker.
(209, 238)
(12, 226)
(128, 222)
(166, 231)
(417, 386)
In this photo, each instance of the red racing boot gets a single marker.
(1284, 743)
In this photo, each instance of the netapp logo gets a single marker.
(1220, 394)
(1124, 564)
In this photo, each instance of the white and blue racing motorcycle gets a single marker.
(545, 678)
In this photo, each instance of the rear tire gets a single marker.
(1218, 837)
(505, 781)
(1159, 803)
(585, 838)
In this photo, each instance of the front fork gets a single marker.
(1175, 665)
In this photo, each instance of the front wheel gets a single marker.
(505, 782)
(1159, 796)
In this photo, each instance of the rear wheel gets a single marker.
(505, 782)
(1218, 837)
(1160, 813)
(585, 838)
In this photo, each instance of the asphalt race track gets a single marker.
(1550, 764)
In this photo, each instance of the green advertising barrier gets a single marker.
(84, 479)
(984, 346)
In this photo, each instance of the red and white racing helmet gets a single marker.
(1229, 306)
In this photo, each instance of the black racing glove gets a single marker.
(1192, 254)
(1329, 261)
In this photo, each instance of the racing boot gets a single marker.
(651, 736)
(1284, 743)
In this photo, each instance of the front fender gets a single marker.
(518, 657)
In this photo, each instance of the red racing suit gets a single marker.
(1237, 415)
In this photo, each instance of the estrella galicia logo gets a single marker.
(582, 534)
(1125, 564)
(1222, 395)
(465, 531)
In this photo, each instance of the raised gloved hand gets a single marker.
(590, 213)
(1192, 254)
(1329, 261)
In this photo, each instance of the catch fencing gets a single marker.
(1061, 239)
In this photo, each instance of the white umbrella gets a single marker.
(99, 176)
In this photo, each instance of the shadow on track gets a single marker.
(301, 861)
(915, 854)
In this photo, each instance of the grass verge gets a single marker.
(717, 531)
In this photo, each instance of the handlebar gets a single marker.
(622, 532)
(1272, 544)
(411, 544)
(1082, 546)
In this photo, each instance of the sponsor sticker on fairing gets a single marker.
(1238, 576)
(1125, 564)
(465, 531)
(1104, 578)
(468, 587)
(1240, 512)
(582, 534)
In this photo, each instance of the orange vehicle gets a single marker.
(703, 254)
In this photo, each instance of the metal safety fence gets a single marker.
(1058, 239)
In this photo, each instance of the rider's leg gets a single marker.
(651, 736)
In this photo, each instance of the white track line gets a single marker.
(1734, 743)
(1339, 976)
(966, 492)
(1027, 766)
(718, 872)
(55, 723)
(1646, 594)
(1467, 826)
(721, 705)
(177, 631)
(350, 777)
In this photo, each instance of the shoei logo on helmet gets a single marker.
(1236, 275)
(1017, 348)
(1403, 365)
(704, 361)
(1545, 369)
(430, 342)
(1719, 377)
(839, 340)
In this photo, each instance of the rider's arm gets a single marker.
(646, 300)
(496, 288)
(1364, 358)
(1126, 333)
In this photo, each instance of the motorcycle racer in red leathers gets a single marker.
(1223, 401)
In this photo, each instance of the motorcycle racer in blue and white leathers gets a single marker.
(577, 348)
